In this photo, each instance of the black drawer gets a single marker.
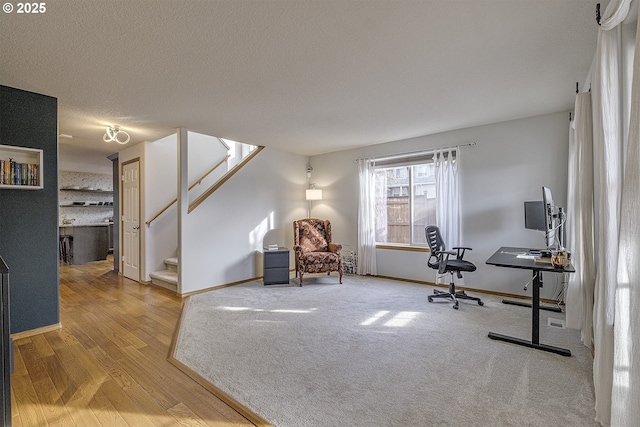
(273, 276)
(276, 259)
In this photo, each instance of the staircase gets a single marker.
(229, 157)
(167, 278)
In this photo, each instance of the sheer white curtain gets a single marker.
(580, 222)
(607, 143)
(611, 316)
(447, 196)
(366, 219)
(625, 395)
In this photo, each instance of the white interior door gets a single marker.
(131, 220)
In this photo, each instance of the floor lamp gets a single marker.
(312, 194)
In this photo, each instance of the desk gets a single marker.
(508, 257)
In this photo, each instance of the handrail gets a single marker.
(161, 212)
(217, 165)
(224, 178)
(223, 143)
(206, 174)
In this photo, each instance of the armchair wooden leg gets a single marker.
(301, 279)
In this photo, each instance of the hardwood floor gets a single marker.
(108, 365)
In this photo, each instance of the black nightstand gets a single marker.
(276, 266)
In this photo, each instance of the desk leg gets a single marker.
(535, 309)
(543, 347)
(535, 325)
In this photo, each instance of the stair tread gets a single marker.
(166, 275)
(171, 261)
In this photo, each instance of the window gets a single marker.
(405, 203)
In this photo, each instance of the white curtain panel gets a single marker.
(447, 196)
(607, 142)
(381, 217)
(366, 219)
(581, 284)
(625, 395)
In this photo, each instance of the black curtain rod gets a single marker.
(413, 153)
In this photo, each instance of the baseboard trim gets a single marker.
(466, 288)
(213, 288)
(399, 279)
(37, 331)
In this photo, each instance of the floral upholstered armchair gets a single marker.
(314, 252)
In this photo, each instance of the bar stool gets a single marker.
(61, 248)
(66, 248)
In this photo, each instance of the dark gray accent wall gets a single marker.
(29, 218)
(116, 211)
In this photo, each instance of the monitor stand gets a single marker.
(560, 216)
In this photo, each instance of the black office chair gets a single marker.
(441, 260)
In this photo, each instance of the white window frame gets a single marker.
(408, 165)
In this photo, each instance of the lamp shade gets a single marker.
(314, 194)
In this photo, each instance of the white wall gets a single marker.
(222, 239)
(204, 152)
(224, 236)
(509, 165)
(161, 236)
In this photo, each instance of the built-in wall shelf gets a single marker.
(20, 168)
(86, 206)
(89, 204)
(88, 190)
(84, 197)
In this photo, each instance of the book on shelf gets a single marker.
(273, 247)
(7, 172)
(14, 173)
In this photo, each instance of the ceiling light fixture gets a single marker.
(114, 133)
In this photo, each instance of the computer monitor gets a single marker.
(545, 216)
(549, 213)
(535, 217)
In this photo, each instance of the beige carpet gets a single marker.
(374, 352)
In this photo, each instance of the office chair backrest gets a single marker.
(436, 244)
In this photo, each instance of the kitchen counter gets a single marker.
(87, 242)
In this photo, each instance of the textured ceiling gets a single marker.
(303, 76)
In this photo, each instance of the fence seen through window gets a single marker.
(405, 203)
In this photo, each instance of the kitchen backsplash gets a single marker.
(97, 206)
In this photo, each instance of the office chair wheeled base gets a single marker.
(453, 295)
